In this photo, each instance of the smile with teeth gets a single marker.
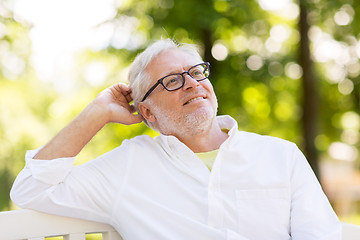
(194, 99)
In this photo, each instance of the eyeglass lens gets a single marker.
(175, 81)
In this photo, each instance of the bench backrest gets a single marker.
(27, 224)
(32, 225)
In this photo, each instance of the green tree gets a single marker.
(267, 72)
(248, 61)
(292, 74)
(15, 50)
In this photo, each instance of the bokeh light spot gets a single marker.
(219, 51)
(254, 62)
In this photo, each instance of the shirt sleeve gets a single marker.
(312, 217)
(48, 171)
(55, 186)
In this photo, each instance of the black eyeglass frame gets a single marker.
(160, 81)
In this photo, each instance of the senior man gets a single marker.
(201, 178)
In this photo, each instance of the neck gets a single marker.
(205, 141)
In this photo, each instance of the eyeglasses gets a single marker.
(176, 81)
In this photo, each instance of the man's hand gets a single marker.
(115, 101)
(111, 105)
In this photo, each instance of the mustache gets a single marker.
(189, 96)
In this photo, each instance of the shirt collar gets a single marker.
(174, 145)
(185, 159)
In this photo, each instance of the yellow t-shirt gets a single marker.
(208, 157)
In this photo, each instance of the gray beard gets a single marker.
(172, 123)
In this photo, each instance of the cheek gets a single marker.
(167, 100)
(212, 95)
(210, 89)
(207, 85)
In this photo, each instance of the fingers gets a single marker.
(121, 110)
(125, 91)
(137, 118)
(132, 119)
(132, 108)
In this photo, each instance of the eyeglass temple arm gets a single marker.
(150, 90)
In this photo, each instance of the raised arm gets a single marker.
(111, 105)
(86, 191)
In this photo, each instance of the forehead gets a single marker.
(170, 61)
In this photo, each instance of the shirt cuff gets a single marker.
(48, 171)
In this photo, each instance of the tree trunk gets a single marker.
(310, 98)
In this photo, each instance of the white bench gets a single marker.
(27, 224)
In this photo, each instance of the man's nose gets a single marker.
(190, 82)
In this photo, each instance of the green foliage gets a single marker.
(254, 70)
(14, 137)
(264, 98)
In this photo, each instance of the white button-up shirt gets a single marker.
(260, 188)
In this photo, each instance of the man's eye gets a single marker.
(171, 82)
(197, 72)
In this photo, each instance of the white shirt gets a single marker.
(260, 188)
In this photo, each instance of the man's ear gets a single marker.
(146, 112)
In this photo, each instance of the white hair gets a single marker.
(140, 80)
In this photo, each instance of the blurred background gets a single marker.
(284, 68)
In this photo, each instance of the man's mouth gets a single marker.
(194, 99)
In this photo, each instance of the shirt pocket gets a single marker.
(267, 210)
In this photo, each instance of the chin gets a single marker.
(180, 124)
(200, 121)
